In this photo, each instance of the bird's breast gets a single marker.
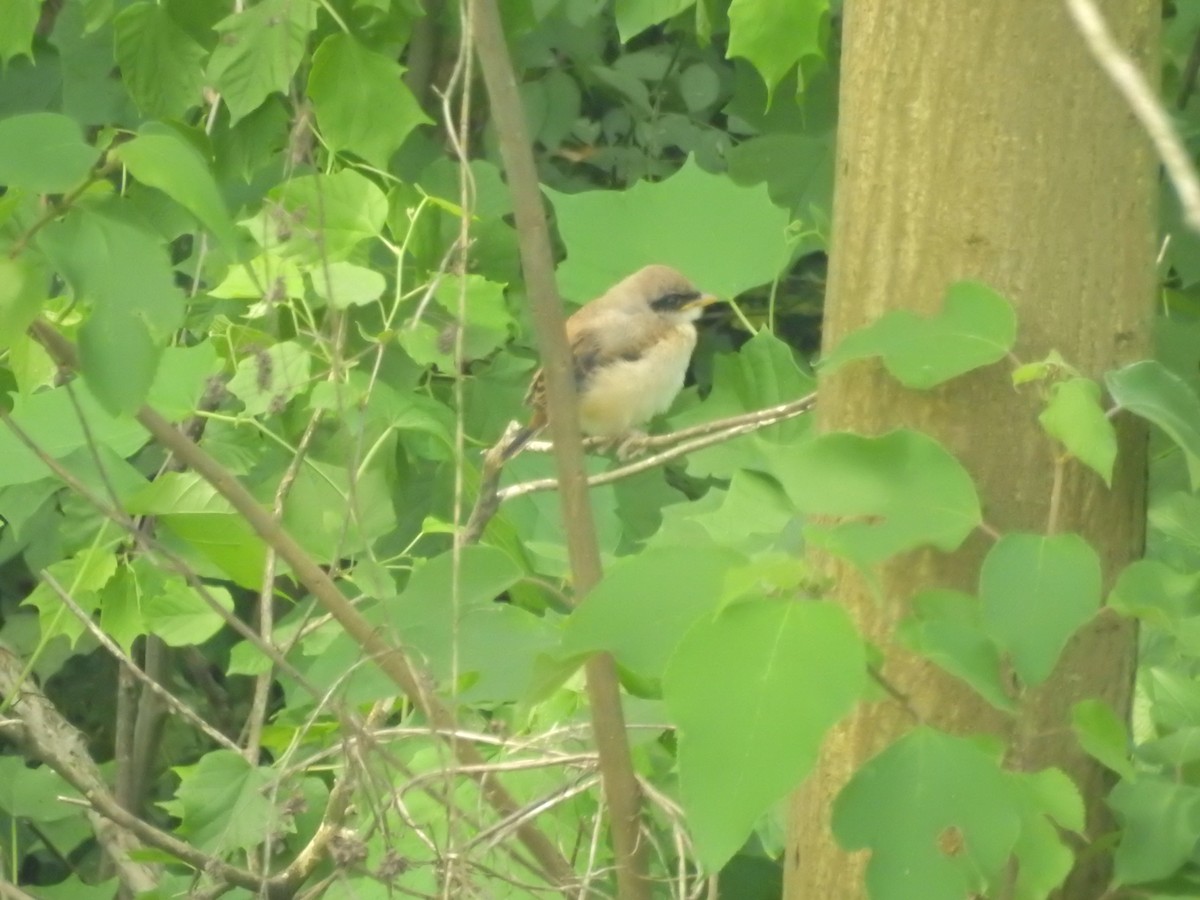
(626, 392)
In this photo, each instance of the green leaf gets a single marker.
(179, 616)
(635, 16)
(1074, 416)
(938, 815)
(126, 275)
(1177, 749)
(975, 328)
(192, 510)
(182, 378)
(22, 293)
(1103, 736)
(946, 627)
(20, 25)
(161, 66)
(893, 493)
(82, 577)
(344, 284)
(797, 168)
(259, 52)
(52, 419)
(1048, 801)
(44, 153)
(1036, 591)
(1174, 696)
(496, 643)
(223, 803)
(1160, 820)
(349, 86)
(1154, 592)
(1150, 390)
(644, 603)
(725, 238)
(775, 34)
(266, 381)
(763, 373)
(322, 217)
(753, 691)
(160, 158)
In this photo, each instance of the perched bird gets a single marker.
(631, 347)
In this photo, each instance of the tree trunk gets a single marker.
(980, 140)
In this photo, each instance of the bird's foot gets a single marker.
(630, 445)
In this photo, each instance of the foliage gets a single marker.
(249, 220)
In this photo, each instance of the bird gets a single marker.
(630, 350)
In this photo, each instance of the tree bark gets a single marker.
(979, 140)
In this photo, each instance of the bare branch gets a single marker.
(680, 443)
(391, 659)
(147, 682)
(1143, 102)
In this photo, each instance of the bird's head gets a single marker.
(666, 292)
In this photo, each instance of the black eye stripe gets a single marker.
(674, 300)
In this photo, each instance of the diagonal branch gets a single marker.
(391, 659)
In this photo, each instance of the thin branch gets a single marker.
(618, 778)
(392, 660)
(149, 683)
(710, 433)
(896, 694)
(1129, 80)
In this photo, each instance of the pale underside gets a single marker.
(625, 394)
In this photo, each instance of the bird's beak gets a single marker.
(704, 300)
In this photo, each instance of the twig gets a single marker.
(709, 434)
(895, 693)
(149, 683)
(680, 443)
(392, 660)
(1130, 81)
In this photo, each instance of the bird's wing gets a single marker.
(596, 344)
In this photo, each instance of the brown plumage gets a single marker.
(631, 347)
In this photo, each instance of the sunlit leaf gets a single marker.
(20, 22)
(976, 327)
(1037, 590)
(782, 673)
(1152, 391)
(161, 66)
(44, 153)
(126, 276)
(643, 605)
(775, 34)
(885, 494)
(937, 814)
(349, 86)
(1103, 736)
(1160, 820)
(725, 238)
(1074, 416)
(260, 49)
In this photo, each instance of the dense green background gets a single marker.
(247, 220)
